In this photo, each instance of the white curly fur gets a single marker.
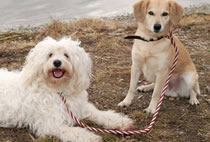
(30, 97)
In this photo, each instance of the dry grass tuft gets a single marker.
(195, 19)
(56, 30)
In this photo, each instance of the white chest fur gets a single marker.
(151, 57)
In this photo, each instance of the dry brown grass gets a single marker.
(195, 19)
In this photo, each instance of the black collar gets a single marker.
(141, 38)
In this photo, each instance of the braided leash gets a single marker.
(133, 132)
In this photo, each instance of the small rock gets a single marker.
(208, 66)
(145, 83)
(201, 73)
(140, 96)
(127, 137)
(208, 101)
(181, 132)
(121, 80)
(200, 100)
(171, 98)
(205, 95)
(208, 89)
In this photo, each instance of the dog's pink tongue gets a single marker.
(58, 73)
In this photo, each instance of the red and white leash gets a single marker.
(133, 132)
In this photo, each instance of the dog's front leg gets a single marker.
(160, 81)
(109, 119)
(135, 74)
(76, 134)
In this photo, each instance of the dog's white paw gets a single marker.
(127, 101)
(150, 110)
(146, 88)
(125, 124)
(143, 88)
(193, 101)
(124, 103)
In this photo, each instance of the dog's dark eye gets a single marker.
(66, 55)
(50, 55)
(164, 14)
(151, 13)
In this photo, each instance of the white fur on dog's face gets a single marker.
(61, 64)
(58, 66)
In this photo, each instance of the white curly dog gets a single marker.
(30, 97)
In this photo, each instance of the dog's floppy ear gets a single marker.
(34, 61)
(30, 70)
(140, 9)
(176, 12)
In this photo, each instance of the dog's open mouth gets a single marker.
(58, 73)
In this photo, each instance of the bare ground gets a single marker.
(178, 121)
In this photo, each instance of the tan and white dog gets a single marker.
(154, 55)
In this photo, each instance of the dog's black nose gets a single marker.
(157, 27)
(57, 63)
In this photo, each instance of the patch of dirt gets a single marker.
(111, 55)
